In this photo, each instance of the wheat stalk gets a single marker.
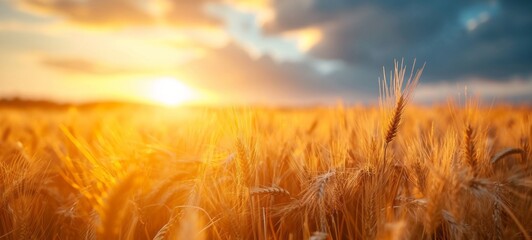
(113, 210)
(400, 96)
(322, 181)
(163, 232)
(497, 212)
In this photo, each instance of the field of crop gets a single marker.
(456, 171)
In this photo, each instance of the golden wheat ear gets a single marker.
(470, 148)
(115, 206)
(394, 93)
(163, 233)
(273, 190)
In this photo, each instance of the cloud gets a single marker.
(190, 13)
(237, 76)
(17, 26)
(512, 90)
(116, 13)
(83, 66)
(192, 17)
(369, 34)
(125, 13)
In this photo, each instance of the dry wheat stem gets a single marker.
(505, 153)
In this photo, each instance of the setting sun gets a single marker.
(169, 91)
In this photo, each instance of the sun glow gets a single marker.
(169, 91)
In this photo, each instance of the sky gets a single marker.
(281, 52)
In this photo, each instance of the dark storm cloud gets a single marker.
(457, 39)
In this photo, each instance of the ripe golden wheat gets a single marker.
(345, 172)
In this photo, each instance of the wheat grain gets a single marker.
(274, 190)
(470, 151)
(393, 126)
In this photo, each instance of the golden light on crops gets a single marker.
(170, 92)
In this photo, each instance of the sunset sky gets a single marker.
(262, 51)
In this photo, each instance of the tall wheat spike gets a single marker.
(395, 92)
(470, 150)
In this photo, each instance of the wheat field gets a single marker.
(399, 171)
